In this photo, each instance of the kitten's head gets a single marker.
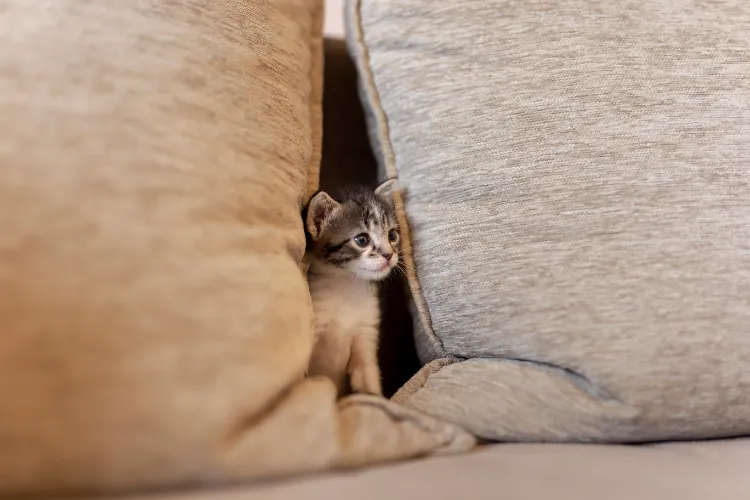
(358, 234)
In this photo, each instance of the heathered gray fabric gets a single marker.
(576, 184)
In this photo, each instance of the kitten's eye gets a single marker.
(362, 240)
(392, 235)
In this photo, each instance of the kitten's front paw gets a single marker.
(366, 381)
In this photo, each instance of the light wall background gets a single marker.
(334, 21)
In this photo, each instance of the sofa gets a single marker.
(573, 320)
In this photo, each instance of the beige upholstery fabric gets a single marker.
(684, 471)
(576, 186)
(155, 320)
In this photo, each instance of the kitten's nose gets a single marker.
(387, 256)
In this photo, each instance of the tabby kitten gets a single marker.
(351, 245)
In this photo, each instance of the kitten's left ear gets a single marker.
(319, 209)
(385, 190)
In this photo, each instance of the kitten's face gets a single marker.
(358, 235)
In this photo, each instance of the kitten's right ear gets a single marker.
(385, 190)
(319, 209)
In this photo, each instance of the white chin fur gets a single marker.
(373, 275)
(371, 270)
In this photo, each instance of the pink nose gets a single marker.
(387, 256)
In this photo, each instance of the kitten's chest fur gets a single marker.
(343, 303)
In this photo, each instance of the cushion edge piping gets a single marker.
(355, 39)
(315, 78)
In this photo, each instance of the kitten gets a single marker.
(351, 245)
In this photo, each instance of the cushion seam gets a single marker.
(315, 77)
(367, 81)
(434, 366)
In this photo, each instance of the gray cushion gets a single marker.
(575, 184)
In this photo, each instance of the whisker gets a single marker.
(399, 268)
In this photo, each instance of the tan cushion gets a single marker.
(155, 319)
(575, 181)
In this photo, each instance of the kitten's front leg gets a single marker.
(364, 372)
(330, 358)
